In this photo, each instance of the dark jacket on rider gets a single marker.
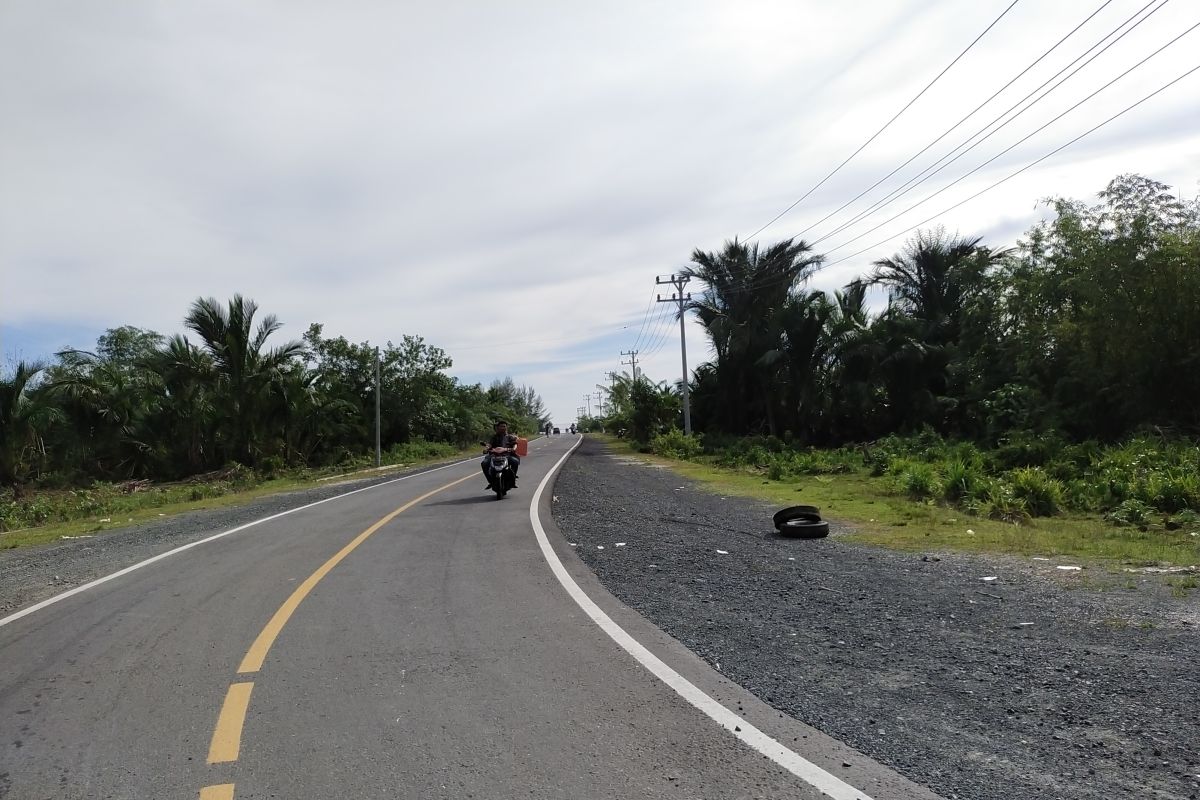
(503, 440)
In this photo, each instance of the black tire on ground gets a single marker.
(804, 528)
(792, 512)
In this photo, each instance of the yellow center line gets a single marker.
(258, 651)
(227, 737)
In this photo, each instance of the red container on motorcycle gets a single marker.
(522, 447)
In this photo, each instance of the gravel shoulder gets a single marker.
(29, 575)
(1032, 685)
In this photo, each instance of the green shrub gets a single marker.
(960, 480)
(676, 444)
(1130, 512)
(919, 481)
(1171, 490)
(1002, 503)
(271, 466)
(1080, 495)
(1186, 519)
(1042, 495)
(1028, 449)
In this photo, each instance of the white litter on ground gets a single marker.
(599, 547)
(723, 552)
(1040, 558)
(620, 544)
(1073, 569)
(990, 578)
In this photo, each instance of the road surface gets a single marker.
(413, 639)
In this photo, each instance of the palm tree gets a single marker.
(246, 373)
(109, 399)
(932, 281)
(24, 413)
(746, 287)
(185, 426)
(932, 278)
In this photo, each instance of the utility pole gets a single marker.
(600, 402)
(378, 449)
(587, 398)
(679, 281)
(632, 361)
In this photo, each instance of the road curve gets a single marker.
(411, 640)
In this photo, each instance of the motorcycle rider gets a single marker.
(504, 440)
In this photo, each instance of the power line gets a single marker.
(662, 327)
(953, 127)
(926, 173)
(1030, 165)
(664, 334)
(645, 318)
(1017, 143)
(886, 125)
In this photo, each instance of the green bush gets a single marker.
(271, 467)
(1041, 494)
(676, 444)
(960, 479)
(919, 481)
(1130, 512)
(1028, 449)
(1171, 490)
(418, 450)
(1001, 502)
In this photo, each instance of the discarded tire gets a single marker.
(801, 521)
(804, 528)
(793, 512)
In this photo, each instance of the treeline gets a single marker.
(1089, 326)
(145, 405)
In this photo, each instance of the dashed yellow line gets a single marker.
(227, 737)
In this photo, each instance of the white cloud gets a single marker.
(463, 169)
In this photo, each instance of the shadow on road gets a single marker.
(466, 501)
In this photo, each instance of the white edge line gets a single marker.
(790, 760)
(92, 584)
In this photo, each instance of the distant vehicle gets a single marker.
(556, 431)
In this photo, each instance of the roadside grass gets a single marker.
(104, 508)
(882, 517)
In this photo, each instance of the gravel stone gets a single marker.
(1042, 686)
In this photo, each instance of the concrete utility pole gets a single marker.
(600, 402)
(378, 449)
(632, 361)
(587, 398)
(679, 281)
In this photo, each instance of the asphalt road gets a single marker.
(347, 650)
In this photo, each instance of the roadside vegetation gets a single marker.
(1038, 398)
(144, 421)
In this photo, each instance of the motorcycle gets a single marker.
(500, 473)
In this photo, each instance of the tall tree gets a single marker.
(246, 371)
(745, 289)
(25, 412)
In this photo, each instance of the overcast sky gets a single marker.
(506, 179)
